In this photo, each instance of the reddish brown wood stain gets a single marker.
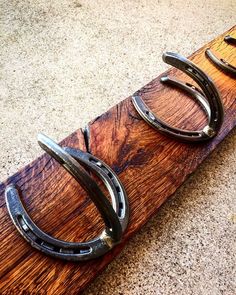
(150, 165)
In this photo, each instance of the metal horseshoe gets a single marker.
(209, 99)
(115, 216)
(229, 39)
(221, 63)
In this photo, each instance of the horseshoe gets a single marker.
(221, 63)
(115, 216)
(229, 39)
(208, 98)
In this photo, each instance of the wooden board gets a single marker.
(150, 165)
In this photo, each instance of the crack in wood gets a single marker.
(86, 134)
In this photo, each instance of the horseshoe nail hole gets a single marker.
(120, 197)
(163, 126)
(191, 70)
(224, 61)
(151, 116)
(22, 223)
(99, 164)
(121, 206)
(82, 250)
(47, 246)
(92, 160)
(190, 85)
(107, 171)
(66, 251)
(56, 249)
(31, 235)
(118, 189)
(85, 251)
(109, 174)
(104, 169)
(120, 212)
(200, 77)
(38, 241)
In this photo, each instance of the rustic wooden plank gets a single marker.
(150, 165)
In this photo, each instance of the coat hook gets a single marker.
(229, 39)
(208, 98)
(115, 216)
(221, 63)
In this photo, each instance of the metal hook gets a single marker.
(208, 98)
(229, 39)
(221, 63)
(115, 216)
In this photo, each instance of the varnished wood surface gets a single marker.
(150, 165)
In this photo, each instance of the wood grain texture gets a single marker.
(150, 165)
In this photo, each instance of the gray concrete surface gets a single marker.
(63, 63)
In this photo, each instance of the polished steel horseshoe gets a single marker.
(221, 63)
(208, 98)
(115, 216)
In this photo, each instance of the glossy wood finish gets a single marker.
(150, 165)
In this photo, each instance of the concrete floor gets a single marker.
(62, 63)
